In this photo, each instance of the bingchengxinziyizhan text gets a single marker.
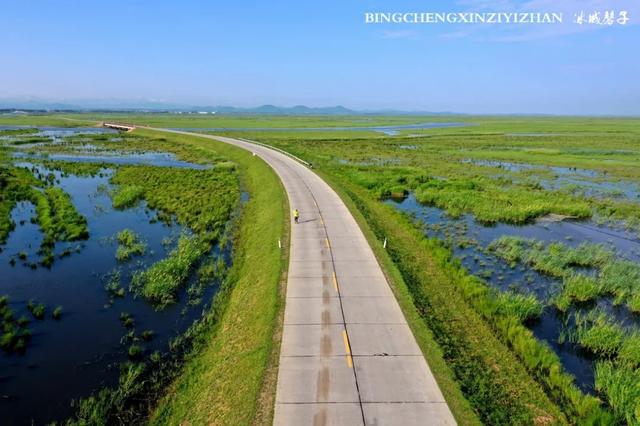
(599, 18)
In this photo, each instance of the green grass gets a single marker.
(617, 353)
(44, 120)
(445, 161)
(98, 409)
(524, 308)
(594, 331)
(253, 120)
(160, 282)
(55, 213)
(629, 354)
(68, 167)
(491, 202)
(129, 244)
(15, 185)
(598, 334)
(36, 309)
(126, 196)
(18, 132)
(127, 320)
(621, 386)
(14, 334)
(147, 335)
(57, 313)
(58, 218)
(555, 259)
(578, 288)
(622, 278)
(112, 285)
(203, 200)
(615, 276)
(135, 352)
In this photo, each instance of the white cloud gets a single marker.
(400, 34)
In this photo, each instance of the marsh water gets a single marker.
(591, 183)
(72, 357)
(468, 240)
(157, 159)
(387, 130)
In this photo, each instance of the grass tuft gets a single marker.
(522, 307)
(598, 334)
(57, 313)
(129, 245)
(621, 387)
(161, 281)
(36, 309)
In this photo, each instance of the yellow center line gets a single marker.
(326, 240)
(345, 339)
(335, 281)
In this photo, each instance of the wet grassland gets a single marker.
(518, 243)
(113, 249)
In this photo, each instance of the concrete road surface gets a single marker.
(348, 356)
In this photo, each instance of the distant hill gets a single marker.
(114, 105)
(276, 110)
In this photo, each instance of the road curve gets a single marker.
(348, 356)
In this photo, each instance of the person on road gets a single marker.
(296, 215)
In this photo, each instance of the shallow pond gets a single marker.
(591, 183)
(80, 353)
(469, 239)
(55, 134)
(157, 159)
(47, 135)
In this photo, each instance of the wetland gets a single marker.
(535, 222)
(112, 246)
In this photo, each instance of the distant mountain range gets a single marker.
(276, 110)
(110, 105)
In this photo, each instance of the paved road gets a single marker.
(347, 356)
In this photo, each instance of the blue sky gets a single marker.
(247, 53)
